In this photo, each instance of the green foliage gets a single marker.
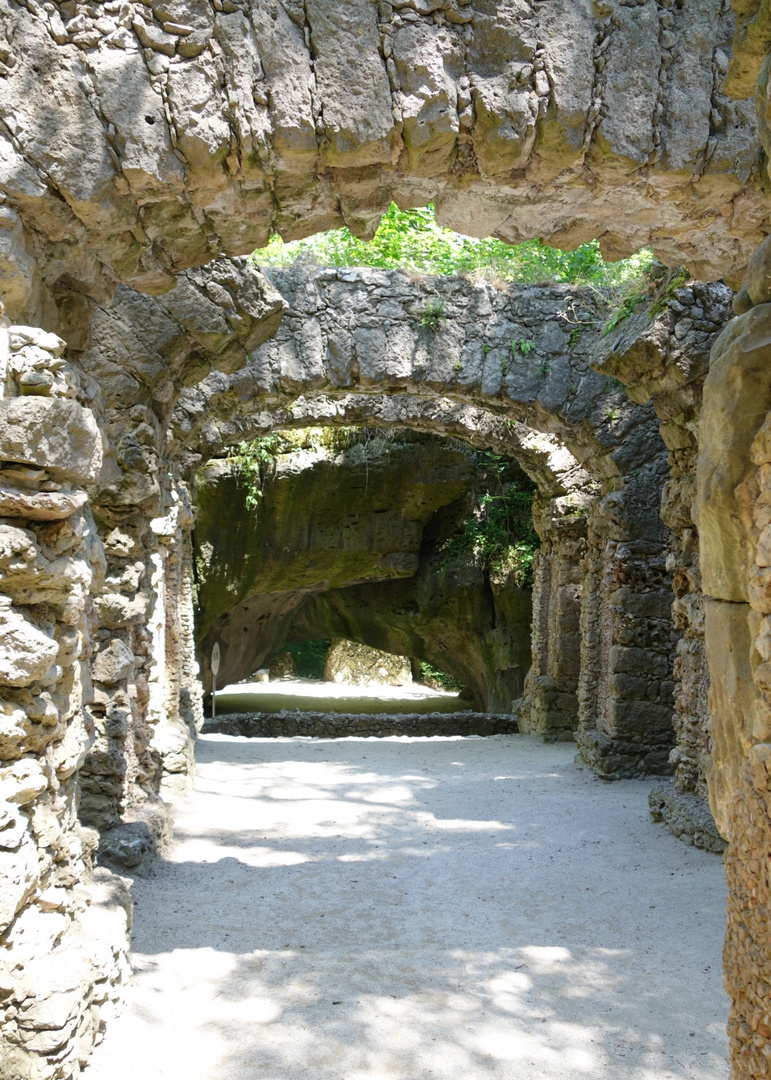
(524, 346)
(411, 240)
(309, 657)
(500, 532)
(432, 314)
(654, 288)
(252, 460)
(433, 676)
(486, 346)
(458, 365)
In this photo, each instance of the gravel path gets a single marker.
(401, 909)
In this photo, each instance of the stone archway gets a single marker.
(596, 455)
(515, 122)
(355, 347)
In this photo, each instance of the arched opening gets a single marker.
(546, 123)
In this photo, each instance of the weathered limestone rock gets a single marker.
(341, 725)
(592, 120)
(550, 705)
(26, 651)
(469, 353)
(359, 665)
(685, 815)
(732, 698)
(59, 978)
(50, 433)
(330, 550)
(199, 132)
(734, 498)
(737, 397)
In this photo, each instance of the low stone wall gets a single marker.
(339, 725)
(685, 815)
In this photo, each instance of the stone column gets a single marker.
(625, 692)
(143, 753)
(61, 965)
(734, 517)
(550, 705)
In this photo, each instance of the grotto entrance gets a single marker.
(354, 348)
(409, 543)
(633, 121)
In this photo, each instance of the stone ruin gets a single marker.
(145, 149)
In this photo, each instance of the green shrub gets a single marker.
(412, 240)
(432, 675)
(309, 657)
(500, 531)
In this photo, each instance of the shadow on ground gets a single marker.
(410, 908)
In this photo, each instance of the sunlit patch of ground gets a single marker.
(309, 695)
(407, 908)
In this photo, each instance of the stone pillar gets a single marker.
(550, 705)
(60, 964)
(143, 753)
(734, 516)
(625, 692)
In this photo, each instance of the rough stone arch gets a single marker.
(354, 347)
(568, 120)
(565, 120)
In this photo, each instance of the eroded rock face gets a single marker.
(352, 348)
(666, 361)
(570, 121)
(359, 665)
(195, 138)
(64, 929)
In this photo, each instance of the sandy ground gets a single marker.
(406, 909)
(314, 695)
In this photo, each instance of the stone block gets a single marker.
(55, 434)
(26, 652)
(638, 717)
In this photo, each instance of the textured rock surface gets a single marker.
(194, 138)
(666, 361)
(685, 815)
(734, 495)
(64, 930)
(565, 120)
(351, 348)
(360, 665)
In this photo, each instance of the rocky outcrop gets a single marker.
(666, 360)
(135, 146)
(354, 347)
(201, 130)
(733, 494)
(359, 665)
